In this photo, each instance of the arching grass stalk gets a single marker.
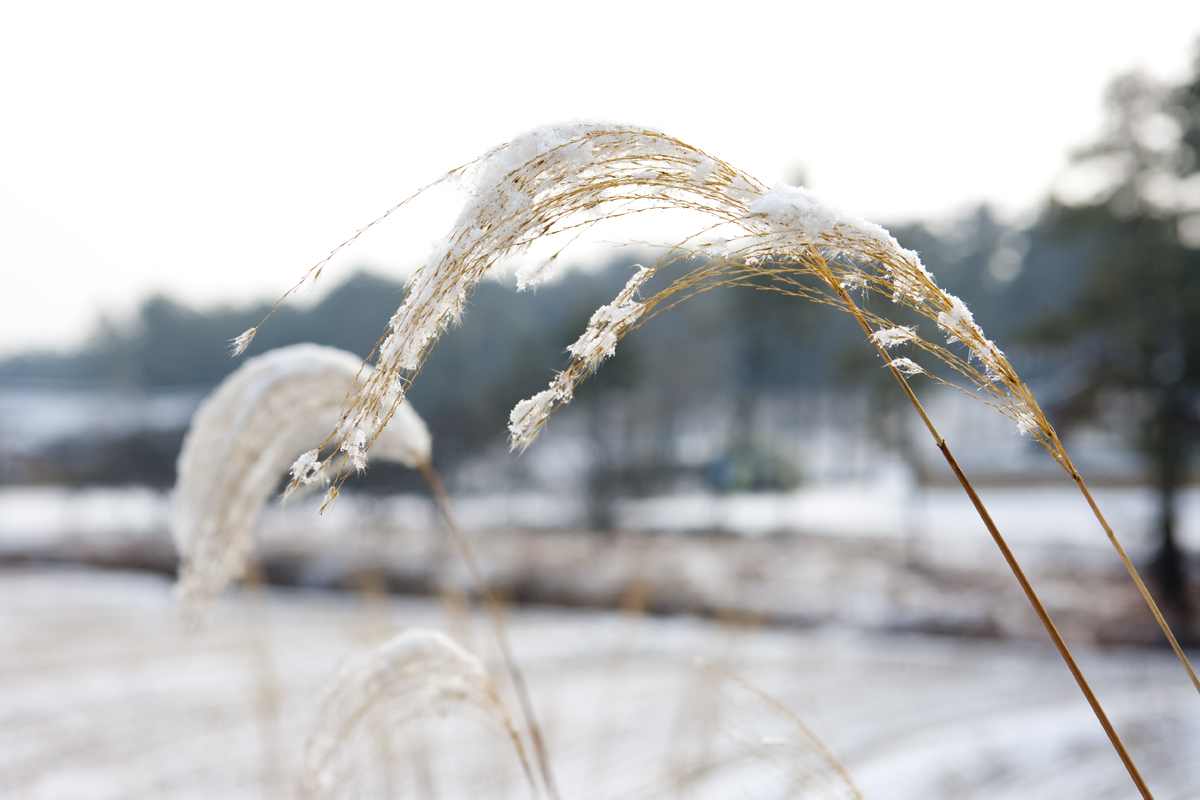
(557, 179)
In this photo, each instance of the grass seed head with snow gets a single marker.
(554, 180)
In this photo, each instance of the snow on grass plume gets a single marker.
(554, 179)
(244, 436)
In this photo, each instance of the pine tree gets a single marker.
(1136, 322)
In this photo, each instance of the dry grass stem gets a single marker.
(769, 732)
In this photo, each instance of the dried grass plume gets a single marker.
(415, 674)
(243, 438)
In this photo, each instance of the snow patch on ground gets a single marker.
(105, 695)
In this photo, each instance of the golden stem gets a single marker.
(1133, 573)
(1013, 565)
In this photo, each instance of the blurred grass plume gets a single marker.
(415, 674)
(243, 437)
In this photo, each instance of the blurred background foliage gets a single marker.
(1133, 327)
(509, 344)
(1097, 303)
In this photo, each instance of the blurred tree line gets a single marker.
(728, 346)
(1097, 303)
(725, 343)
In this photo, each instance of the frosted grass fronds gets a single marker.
(753, 726)
(783, 234)
(527, 416)
(535, 272)
(959, 325)
(243, 340)
(606, 325)
(598, 342)
(243, 437)
(552, 180)
(538, 185)
(1026, 422)
(890, 337)
(791, 218)
(799, 216)
(907, 366)
(418, 673)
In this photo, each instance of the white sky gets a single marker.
(216, 150)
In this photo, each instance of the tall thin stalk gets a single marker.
(1015, 567)
(499, 630)
(1130, 568)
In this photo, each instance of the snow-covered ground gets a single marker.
(942, 517)
(885, 556)
(103, 694)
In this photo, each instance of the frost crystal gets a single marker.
(853, 281)
(394, 392)
(809, 219)
(243, 341)
(1026, 421)
(992, 358)
(355, 446)
(606, 325)
(960, 326)
(535, 272)
(890, 337)
(306, 467)
(910, 280)
(958, 323)
(716, 247)
(907, 366)
(528, 415)
(703, 170)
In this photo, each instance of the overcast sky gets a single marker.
(214, 151)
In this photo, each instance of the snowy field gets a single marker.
(823, 599)
(104, 695)
(883, 556)
(891, 507)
